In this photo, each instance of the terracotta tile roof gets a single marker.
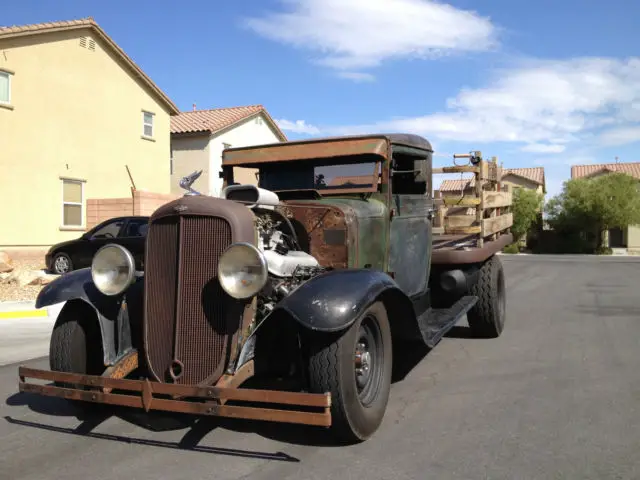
(217, 119)
(89, 22)
(633, 169)
(457, 185)
(535, 174)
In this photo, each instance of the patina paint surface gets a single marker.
(410, 242)
(344, 232)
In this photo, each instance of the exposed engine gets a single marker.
(289, 266)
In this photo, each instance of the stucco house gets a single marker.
(75, 112)
(627, 238)
(531, 178)
(198, 138)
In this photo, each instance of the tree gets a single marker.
(595, 205)
(526, 207)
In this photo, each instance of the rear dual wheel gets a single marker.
(356, 368)
(487, 317)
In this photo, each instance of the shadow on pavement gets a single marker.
(198, 427)
(189, 441)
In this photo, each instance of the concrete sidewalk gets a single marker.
(27, 309)
(25, 330)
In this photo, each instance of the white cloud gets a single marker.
(620, 136)
(299, 126)
(351, 35)
(543, 148)
(543, 105)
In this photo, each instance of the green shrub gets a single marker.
(511, 248)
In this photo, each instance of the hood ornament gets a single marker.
(187, 181)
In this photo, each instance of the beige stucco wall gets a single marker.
(189, 154)
(74, 113)
(633, 238)
(513, 181)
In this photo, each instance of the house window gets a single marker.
(147, 124)
(72, 203)
(5, 87)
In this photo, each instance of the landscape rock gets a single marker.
(43, 279)
(6, 264)
(23, 278)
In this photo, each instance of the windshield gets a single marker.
(345, 177)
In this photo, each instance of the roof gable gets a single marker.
(533, 174)
(89, 23)
(582, 171)
(217, 119)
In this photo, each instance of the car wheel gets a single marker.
(356, 368)
(61, 264)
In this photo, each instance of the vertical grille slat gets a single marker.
(198, 335)
(161, 276)
(202, 327)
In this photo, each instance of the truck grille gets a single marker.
(188, 322)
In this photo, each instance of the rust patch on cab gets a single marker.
(319, 223)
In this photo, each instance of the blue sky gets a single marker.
(545, 83)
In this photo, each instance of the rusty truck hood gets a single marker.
(341, 232)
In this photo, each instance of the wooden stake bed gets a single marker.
(472, 225)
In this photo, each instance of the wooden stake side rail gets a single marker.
(490, 205)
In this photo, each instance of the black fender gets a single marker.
(115, 328)
(331, 302)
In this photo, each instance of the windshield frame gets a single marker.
(374, 186)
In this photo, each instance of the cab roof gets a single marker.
(327, 147)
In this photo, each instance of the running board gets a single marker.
(436, 322)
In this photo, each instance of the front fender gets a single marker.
(332, 301)
(78, 285)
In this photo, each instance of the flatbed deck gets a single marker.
(462, 249)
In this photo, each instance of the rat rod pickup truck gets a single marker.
(312, 276)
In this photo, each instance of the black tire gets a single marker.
(76, 345)
(356, 415)
(487, 317)
(61, 264)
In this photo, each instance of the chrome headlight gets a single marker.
(242, 270)
(113, 269)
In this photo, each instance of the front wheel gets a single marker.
(76, 346)
(356, 369)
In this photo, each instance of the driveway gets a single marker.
(557, 396)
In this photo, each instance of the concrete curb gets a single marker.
(27, 309)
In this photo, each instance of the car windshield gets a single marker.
(336, 178)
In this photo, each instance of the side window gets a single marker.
(5, 87)
(409, 175)
(136, 228)
(73, 214)
(147, 124)
(110, 230)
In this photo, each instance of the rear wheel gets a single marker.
(76, 345)
(356, 369)
(487, 317)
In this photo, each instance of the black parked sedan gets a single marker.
(130, 232)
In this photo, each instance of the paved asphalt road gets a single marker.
(557, 396)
